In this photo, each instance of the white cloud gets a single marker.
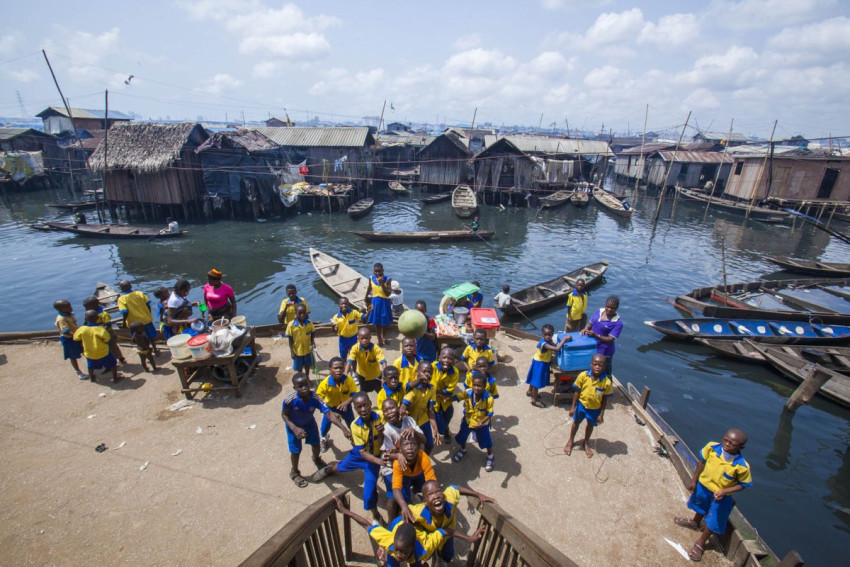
(266, 69)
(285, 20)
(479, 62)
(342, 81)
(9, 43)
(549, 64)
(734, 67)
(558, 95)
(294, 47)
(828, 36)
(23, 75)
(702, 99)
(671, 31)
(613, 27)
(606, 77)
(221, 83)
(756, 14)
(217, 9)
(467, 42)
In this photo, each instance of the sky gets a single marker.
(538, 63)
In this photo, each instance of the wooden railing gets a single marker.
(508, 543)
(311, 539)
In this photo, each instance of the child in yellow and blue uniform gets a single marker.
(589, 401)
(301, 341)
(475, 299)
(378, 298)
(419, 402)
(392, 388)
(345, 323)
(367, 361)
(476, 349)
(95, 340)
(482, 368)
(721, 472)
(162, 295)
(444, 379)
(538, 373)
(337, 391)
(136, 306)
(477, 413)
(576, 306)
(407, 362)
(426, 345)
(105, 320)
(367, 436)
(66, 323)
(286, 313)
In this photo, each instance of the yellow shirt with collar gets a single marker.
(95, 341)
(287, 307)
(302, 337)
(347, 324)
(368, 360)
(334, 393)
(444, 381)
(592, 391)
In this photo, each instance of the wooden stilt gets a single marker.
(815, 378)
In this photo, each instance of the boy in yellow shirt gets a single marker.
(286, 313)
(477, 413)
(337, 391)
(366, 361)
(95, 341)
(301, 341)
(444, 379)
(589, 401)
(475, 350)
(66, 323)
(135, 306)
(345, 323)
(419, 403)
(407, 362)
(576, 306)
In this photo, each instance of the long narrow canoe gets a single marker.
(833, 357)
(397, 187)
(556, 199)
(756, 213)
(425, 236)
(439, 197)
(360, 208)
(106, 230)
(777, 332)
(580, 198)
(551, 291)
(71, 205)
(343, 280)
(611, 203)
(797, 369)
(464, 201)
(813, 267)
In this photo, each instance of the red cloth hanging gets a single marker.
(303, 170)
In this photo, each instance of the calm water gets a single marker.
(801, 466)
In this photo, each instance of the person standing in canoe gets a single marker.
(378, 299)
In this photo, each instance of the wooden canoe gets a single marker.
(797, 369)
(556, 199)
(701, 300)
(776, 332)
(397, 187)
(552, 291)
(833, 357)
(360, 208)
(756, 213)
(106, 230)
(611, 203)
(580, 198)
(464, 201)
(439, 197)
(70, 206)
(425, 236)
(343, 280)
(813, 267)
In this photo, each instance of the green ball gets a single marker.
(412, 324)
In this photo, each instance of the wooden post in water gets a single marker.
(815, 378)
(641, 158)
(669, 169)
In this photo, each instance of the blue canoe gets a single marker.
(777, 332)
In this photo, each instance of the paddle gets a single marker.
(518, 310)
(476, 234)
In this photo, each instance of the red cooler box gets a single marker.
(485, 319)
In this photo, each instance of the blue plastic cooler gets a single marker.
(577, 353)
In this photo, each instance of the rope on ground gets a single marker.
(554, 451)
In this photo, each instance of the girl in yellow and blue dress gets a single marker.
(538, 374)
(378, 298)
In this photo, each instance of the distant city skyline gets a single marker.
(541, 65)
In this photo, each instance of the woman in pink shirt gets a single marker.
(219, 297)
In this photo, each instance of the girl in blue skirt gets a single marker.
(378, 299)
(538, 374)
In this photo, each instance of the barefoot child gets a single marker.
(162, 294)
(366, 361)
(105, 320)
(477, 413)
(589, 401)
(344, 323)
(286, 313)
(397, 298)
(135, 306)
(721, 472)
(95, 341)
(444, 379)
(378, 300)
(301, 341)
(66, 323)
(408, 361)
(426, 345)
(367, 435)
(144, 345)
(337, 391)
(396, 427)
(475, 350)
(541, 364)
(297, 413)
(419, 404)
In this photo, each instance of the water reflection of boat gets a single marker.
(439, 197)
(425, 235)
(812, 267)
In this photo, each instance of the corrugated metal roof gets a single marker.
(647, 149)
(544, 145)
(720, 136)
(684, 156)
(84, 113)
(355, 137)
(759, 150)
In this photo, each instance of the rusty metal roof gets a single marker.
(684, 156)
(83, 113)
(647, 149)
(304, 137)
(545, 145)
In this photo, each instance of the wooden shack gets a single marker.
(716, 141)
(56, 119)
(333, 155)
(632, 163)
(797, 175)
(443, 162)
(152, 169)
(398, 151)
(44, 149)
(503, 166)
(240, 172)
(559, 159)
(688, 169)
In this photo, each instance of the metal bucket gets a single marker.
(460, 315)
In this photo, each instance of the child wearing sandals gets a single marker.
(477, 413)
(297, 413)
(538, 374)
(721, 472)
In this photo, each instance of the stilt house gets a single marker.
(443, 162)
(798, 175)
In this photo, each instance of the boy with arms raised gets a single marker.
(396, 428)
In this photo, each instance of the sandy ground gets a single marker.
(216, 486)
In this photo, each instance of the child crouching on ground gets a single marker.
(144, 344)
(721, 472)
(95, 341)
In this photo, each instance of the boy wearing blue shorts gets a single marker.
(477, 413)
(297, 413)
(367, 436)
(95, 341)
(301, 342)
(66, 323)
(337, 391)
(721, 472)
(589, 401)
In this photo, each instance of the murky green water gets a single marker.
(801, 466)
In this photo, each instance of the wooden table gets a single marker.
(193, 370)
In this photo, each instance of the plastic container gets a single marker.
(460, 314)
(239, 321)
(222, 323)
(199, 347)
(576, 353)
(178, 347)
(486, 319)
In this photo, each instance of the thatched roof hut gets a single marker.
(151, 163)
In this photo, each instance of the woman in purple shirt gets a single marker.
(605, 326)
